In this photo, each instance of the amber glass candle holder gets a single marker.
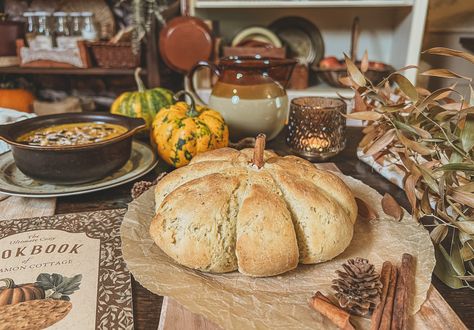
(316, 127)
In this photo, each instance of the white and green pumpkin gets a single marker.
(144, 103)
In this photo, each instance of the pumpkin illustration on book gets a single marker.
(252, 211)
(36, 305)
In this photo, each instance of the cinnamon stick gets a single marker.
(386, 320)
(404, 285)
(259, 150)
(385, 279)
(335, 314)
(323, 297)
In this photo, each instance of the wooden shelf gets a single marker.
(300, 3)
(72, 71)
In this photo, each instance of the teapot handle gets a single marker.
(190, 76)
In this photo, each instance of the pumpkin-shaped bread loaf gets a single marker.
(252, 211)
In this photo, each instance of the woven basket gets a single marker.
(119, 55)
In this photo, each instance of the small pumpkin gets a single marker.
(183, 130)
(16, 99)
(144, 103)
(12, 294)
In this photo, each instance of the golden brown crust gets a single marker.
(220, 213)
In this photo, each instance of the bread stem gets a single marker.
(259, 150)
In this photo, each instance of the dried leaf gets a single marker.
(425, 203)
(444, 270)
(364, 64)
(444, 73)
(365, 211)
(393, 107)
(422, 91)
(436, 95)
(410, 188)
(467, 251)
(471, 93)
(368, 128)
(456, 260)
(405, 86)
(455, 167)
(369, 137)
(391, 207)
(413, 145)
(464, 237)
(381, 143)
(428, 178)
(467, 133)
(467, 187)
(439, 233)
(359, 104)
(449, 52)
(466, 226)
(463, 197)
(346, 81)
(412, 129)
(354, 72)
(365, 115)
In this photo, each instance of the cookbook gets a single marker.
(64, 272)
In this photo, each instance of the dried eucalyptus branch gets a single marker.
(144, 12)
(431, 137)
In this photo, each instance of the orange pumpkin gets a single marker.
(17, 99)
(12, 294)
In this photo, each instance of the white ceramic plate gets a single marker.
(257, 33)
(14, 182)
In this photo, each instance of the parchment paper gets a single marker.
(235, 301)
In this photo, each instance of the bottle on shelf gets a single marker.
(43, 39)
(75, 23)
(89, 29)
(62, 32)
(31, 26)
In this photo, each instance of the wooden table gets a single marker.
(147, 306)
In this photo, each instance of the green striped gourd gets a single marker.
(144, 103)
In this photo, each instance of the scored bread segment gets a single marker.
(266, 239)
(194, 224)
(322, 227)
(325, 181)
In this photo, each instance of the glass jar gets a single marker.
(89, 30)
(317, 127)
(31, 26)
(75, 23)
(43, 39)
(61, 28)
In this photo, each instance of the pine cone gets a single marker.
(358, 288)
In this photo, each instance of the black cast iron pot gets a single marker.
(71, 164)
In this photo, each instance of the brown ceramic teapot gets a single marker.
(250, 94)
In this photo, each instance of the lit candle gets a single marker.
(316, 127)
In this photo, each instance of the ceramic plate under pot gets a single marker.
(14, 182)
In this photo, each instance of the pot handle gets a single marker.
(190, 76)
(5, 132)
(136, 124)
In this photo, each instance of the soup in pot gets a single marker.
(72, 134)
